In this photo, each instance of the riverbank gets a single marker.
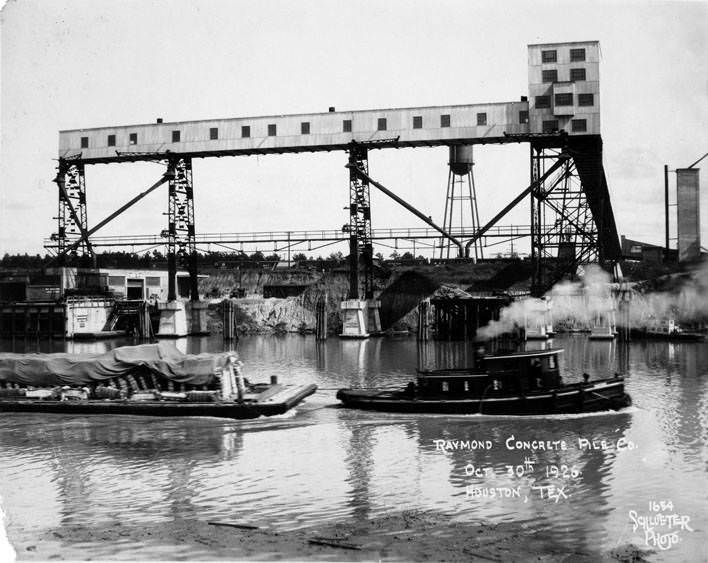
(404, 536)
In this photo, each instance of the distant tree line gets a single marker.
(158, 260)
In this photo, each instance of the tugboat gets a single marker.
(668, 329)
(519, 383)
(149, 379)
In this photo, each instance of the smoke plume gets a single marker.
(577, 305)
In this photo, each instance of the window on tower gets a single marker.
(549, 75)
(577, 55)
(577, 74)
(586, 99)
(550, 126)
(549, 56)
(542, 102)
(578, 125)
(565, 99)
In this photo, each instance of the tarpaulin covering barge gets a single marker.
(150, 379)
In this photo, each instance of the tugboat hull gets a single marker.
(598, 396)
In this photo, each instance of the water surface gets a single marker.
(322, 463)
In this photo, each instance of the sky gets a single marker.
(87, 63)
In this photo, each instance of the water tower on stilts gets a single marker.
(461, 212)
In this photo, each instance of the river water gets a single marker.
(322, 463)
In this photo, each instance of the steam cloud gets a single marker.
(577, 304)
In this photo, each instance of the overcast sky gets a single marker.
(86, 63)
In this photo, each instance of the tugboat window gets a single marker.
(552, 362)
(445, 386)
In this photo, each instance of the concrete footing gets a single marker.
(360, 318)
(179, 318)
(354, 317)
(197, 314)
(173, 320)
(373, 319)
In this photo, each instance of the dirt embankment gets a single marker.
(257, 314)
(399, 290)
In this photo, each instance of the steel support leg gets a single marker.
(359, 226)
(181, 244)
(465, 220)
(71, 214)
(564, 232)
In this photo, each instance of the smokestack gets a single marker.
(666, 206)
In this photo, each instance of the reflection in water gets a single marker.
(324, 464)
(359, 461)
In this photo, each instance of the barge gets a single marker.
(151, 379)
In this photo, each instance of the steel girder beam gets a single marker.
(535, 183)
(115, 214)
(360, 244)
(180, 233)
(364, 176)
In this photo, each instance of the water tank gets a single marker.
(461, 159)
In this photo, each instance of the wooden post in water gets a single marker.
(424, 320)
(321, 317)
(225, 318)
(624, 323)
(144, 324)
(229, 319)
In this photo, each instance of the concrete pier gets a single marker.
(173, 320)
(197, 313)
(354, 317)
(373, 318)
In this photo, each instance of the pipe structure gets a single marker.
(115, 214)
(408, 206)
(561, 160)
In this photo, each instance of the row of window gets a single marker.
(564, 99)
(551, 55)
(551, 75)
(576, 125)
(381, 125)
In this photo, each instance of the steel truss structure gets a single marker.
(181, 244)
(461, 190)
(564, 233)
(571, 216)
(360, 245)
(71, 236)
